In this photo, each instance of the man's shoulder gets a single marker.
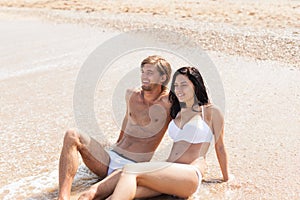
(131, 92)
(164, 98)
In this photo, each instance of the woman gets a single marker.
(195, 122)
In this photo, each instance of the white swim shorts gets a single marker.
(117, 161)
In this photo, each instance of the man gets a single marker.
(146, 120)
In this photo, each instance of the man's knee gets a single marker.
(71, 137)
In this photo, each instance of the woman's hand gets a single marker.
(231, 178)
(220, 180)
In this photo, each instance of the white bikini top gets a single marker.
(194, 131)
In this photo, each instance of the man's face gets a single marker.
(150, 77)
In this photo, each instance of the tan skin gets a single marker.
(143, 127)
(179, 178)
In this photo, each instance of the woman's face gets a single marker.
(184, 90)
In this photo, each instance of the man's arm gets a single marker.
(128, 94)
(124, 123)
(218, 129)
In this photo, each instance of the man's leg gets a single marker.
(93, 155)
(102, 189)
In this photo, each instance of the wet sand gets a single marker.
(267, 30)
(44, 45)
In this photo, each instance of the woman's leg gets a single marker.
(144, 192)
(170, 178)
(126, 187)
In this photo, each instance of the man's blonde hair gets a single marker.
(162, 66)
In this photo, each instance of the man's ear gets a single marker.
(163, 78)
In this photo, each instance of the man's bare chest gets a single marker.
(144, 115)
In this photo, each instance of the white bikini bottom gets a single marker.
(199, 178)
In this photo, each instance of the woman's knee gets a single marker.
(134, 168)
(128, 168)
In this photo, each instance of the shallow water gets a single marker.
(38, 65)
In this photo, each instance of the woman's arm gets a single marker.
(218, 130)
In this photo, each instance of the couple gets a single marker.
(125, 169)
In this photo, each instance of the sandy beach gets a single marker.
(254, 46)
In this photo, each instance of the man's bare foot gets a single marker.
(87, 195)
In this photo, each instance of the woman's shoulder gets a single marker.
(213, 111)
(211, 107)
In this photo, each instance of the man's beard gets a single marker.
(150, 87)
(147, 87)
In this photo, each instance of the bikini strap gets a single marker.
(202, 112)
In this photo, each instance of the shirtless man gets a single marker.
(146, 120)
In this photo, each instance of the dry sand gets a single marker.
(254, 45)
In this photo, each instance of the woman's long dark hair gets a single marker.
(201, 97)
